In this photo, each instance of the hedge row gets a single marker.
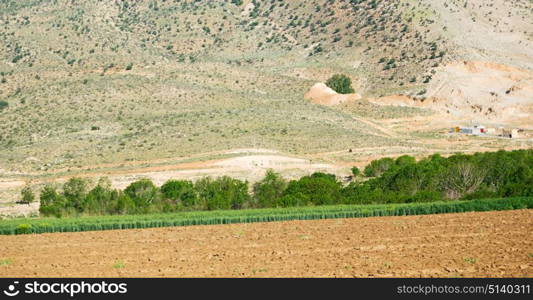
(44, 225)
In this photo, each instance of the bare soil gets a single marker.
(322, 94)
(488, 244)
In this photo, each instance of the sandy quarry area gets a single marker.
(320, 93)
(481, 91)
(488, 244)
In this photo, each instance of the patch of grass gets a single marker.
(119, 265)
(5, 262)
(239, 234)
(262, 270)
(470, 260)
(387, 265)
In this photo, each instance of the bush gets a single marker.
(23, 229)
(3, 105)
(27, 195)
(341, 84)
(356, 172)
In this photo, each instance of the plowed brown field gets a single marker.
(489, 244)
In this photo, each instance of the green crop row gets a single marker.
(44, 225)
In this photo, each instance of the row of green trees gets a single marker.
(400, 180)
(143, 196)
(460, 176)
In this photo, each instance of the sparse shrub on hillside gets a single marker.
(356, 172)
(129, 66)
(3, 105)
(27, 195)
(341, 84)
(17, 58)
(318, 49)
(422, 91)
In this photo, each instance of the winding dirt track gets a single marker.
(489, 244)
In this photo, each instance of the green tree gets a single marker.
(269, 189)
(143, 193)
(341, 84)
(405, 160)
(222, 193)
(180, 192)
(124, 205)
(102, 198)
(52, 203)
(317, 189)
(75, 191)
